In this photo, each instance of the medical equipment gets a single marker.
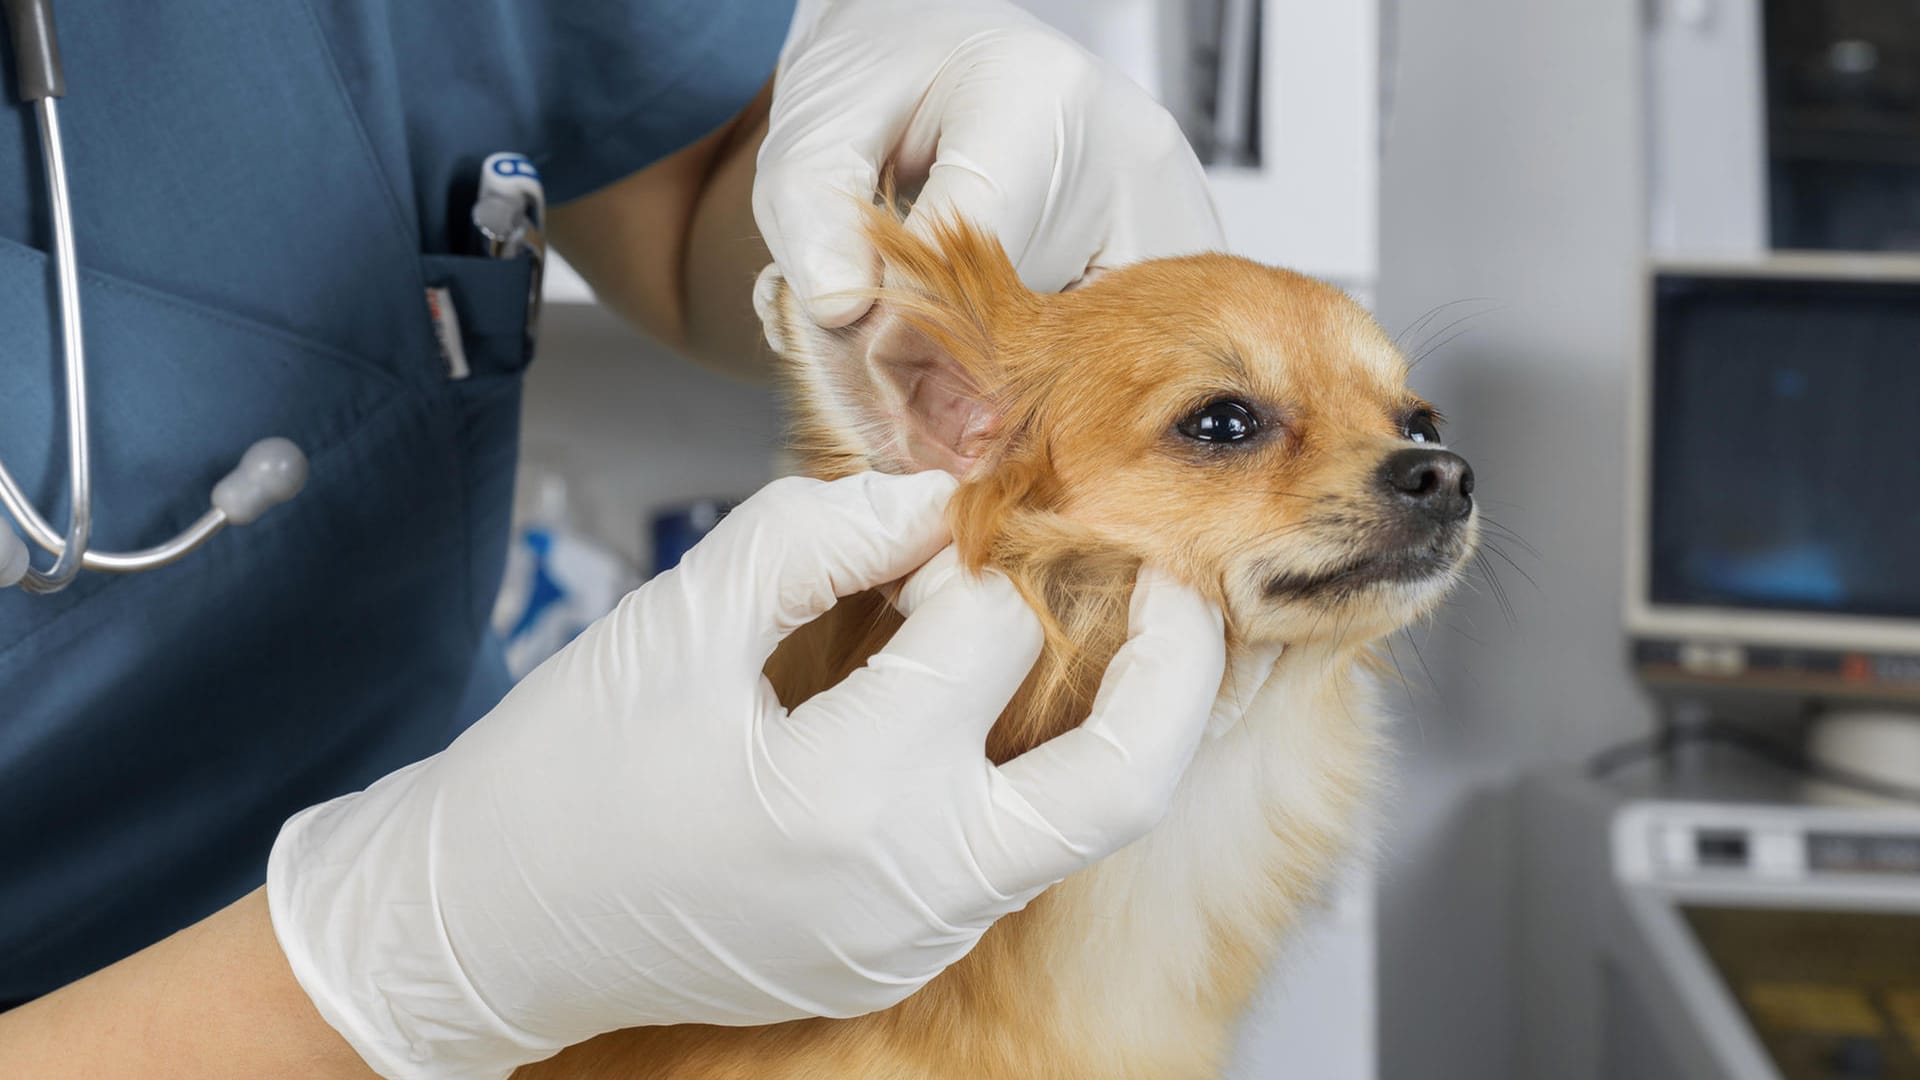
(1781, 127)
(1782, 565)
(560, 576)
(272, 470)
(677, 528)
(1717, 918)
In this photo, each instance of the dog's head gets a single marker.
(1248, 428)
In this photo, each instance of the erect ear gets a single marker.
(917, 383)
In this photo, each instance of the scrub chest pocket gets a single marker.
(295, 659)
(262, 273)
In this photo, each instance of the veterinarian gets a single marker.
(264, 191)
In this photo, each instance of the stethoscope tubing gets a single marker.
(72, 549)
(272, 471)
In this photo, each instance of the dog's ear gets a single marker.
(917, 383)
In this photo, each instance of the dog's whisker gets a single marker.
(1508, 559)
(1426, 347)
(1427, 352)
(1499, 590)
(1437, 309)
(1394, 657)
(1452, 627)
(1507, 533)
(1422, 658)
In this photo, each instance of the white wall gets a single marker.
(1512, 172)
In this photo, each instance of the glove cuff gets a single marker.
(351, 897)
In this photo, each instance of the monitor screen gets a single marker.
(1786, 445)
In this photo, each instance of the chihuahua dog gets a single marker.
(1250, 430)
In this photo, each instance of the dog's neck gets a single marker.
(1166, 940)
(1143, 961)
(1084, 597)
(1196, 908)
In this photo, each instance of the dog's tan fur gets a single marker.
(1059, 412)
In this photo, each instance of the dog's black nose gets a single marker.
(1438, 483)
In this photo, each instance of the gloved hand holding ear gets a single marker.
(1010, 125)
(642, 834)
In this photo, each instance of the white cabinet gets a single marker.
(1315, 1016)
(1706, 129)
(1309, 201)
(1312, 203)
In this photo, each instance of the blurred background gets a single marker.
(1654, 803)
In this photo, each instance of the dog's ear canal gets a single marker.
(922, 376)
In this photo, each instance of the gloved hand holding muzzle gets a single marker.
(641, 833)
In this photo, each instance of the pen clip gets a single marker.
(509, 218)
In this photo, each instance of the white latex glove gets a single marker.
(1012, 125)
(641, 834)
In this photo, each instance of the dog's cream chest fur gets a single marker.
(1263, 815)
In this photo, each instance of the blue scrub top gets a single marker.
(263, 190)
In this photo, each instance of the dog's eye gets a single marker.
(1421, 428)
(1220, 421)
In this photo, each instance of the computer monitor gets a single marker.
(1774, 509)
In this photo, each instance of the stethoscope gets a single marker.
(272, 470)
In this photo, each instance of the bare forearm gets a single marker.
(724, 254)
(673, 248)
(214, 1000)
